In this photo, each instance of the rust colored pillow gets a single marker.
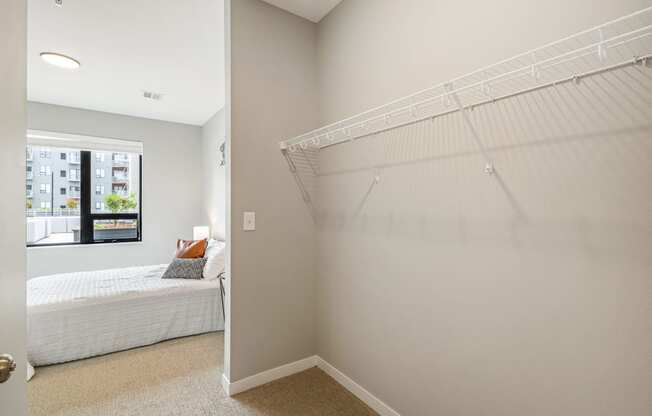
(189, 249)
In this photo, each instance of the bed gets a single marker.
(79, 315)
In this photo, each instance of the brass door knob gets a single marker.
(7, 366)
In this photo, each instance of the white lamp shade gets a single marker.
(201, 232)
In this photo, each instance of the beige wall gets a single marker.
(455, 293)
(272, 95)
(12, 220)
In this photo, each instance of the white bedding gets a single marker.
(79, 315)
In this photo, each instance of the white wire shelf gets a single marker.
(622, 42)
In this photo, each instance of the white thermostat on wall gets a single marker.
(249, 221)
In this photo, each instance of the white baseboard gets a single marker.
(265, 377)
(268, 376)
(226, 385)
(360, 392)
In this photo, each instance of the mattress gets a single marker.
(79, 315)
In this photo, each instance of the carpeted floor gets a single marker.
(178, 377)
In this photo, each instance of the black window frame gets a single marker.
(86, 215)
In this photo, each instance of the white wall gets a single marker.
(272, 95)
(213, 134)
(172, 188)
(13, 30)
(456, 293)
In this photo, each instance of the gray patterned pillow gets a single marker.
(185, 269)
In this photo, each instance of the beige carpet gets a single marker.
(178, 377)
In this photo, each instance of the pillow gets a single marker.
(185, 269)
(215, 259)
(189, 249)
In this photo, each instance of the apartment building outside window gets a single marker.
(64, 199)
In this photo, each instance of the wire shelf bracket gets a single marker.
(489, 167)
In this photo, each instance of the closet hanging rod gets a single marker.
(637, 28)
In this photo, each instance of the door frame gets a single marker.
(13, 131)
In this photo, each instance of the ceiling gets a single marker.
(175, 48)
(313, 10)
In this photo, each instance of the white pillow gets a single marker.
(30, 371)
(216, 259)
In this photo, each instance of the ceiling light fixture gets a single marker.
(62, 61)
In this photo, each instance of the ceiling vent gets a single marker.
(152, 95)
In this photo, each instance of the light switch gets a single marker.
(249, 222)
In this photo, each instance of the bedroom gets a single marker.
(125, 193)
(428, 207)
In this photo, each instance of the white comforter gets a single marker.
(78, 315)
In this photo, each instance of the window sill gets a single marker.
(72, 246)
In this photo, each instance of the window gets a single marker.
(120, 158)
(74, 215)
(75, 175)
(116, 215)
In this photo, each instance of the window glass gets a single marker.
(117, 179)
(51, 208)
(115, 229)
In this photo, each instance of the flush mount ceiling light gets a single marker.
(60, 60)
